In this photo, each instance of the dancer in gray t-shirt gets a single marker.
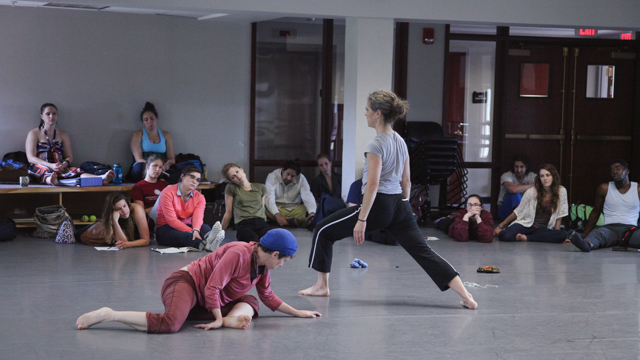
(385, 205)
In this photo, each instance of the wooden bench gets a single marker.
(20, 203)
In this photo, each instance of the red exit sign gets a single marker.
(586, 32)
(625, 36)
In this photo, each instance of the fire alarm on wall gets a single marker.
(427, 36)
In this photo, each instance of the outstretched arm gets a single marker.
(284, 308)
(503, 225)
(516, 189)
(601, 193)
(228, 211)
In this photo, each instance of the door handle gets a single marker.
(604, 137)
(534, 136)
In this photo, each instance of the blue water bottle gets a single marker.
(117, 168)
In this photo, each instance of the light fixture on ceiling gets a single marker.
(75, 6)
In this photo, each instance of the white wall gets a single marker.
(100, 68)
(425, 74)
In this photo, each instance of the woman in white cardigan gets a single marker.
(539, 215)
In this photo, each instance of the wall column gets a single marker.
(368, 67)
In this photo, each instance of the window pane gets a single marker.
(534, 80)
(600, 81)
(470, 97)
(288, 69)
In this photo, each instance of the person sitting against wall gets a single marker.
(472, 223)
(289, 197)
(326, 189)
(49, 151)
(146, 192)
(244, 202)
(122, 225)
(513, 184)
(180, 213)
(539, 216)
(150, 140)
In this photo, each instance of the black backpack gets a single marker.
(7, 229)
(95, 168)
(16, 156)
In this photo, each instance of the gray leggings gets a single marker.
(610, 235)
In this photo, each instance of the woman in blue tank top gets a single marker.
(150, 140)
(385, 205)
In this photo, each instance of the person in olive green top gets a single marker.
(244, 201)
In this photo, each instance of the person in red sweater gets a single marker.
(145, 192)
(214, 288)
(181, 213)
(472, 223)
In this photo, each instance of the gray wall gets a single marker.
(100, 68)
(425, 74)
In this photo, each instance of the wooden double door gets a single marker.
(571, 106)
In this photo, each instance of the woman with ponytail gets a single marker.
(150, 140)
(385, 205)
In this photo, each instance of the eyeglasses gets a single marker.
(193, 177)
(472, 205)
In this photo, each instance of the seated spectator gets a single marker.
(145, 192)
(49, 151)
(244, 201)
(181, 213)
(326, 189)
(328, 181)
(289, 199)
(513, 184)
(472, 223)
(619, 200)
(150, 140)
(123, 225)
(539, 216)
(354, 198)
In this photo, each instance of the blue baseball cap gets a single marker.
(280, 240)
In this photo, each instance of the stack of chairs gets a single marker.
(436, 160)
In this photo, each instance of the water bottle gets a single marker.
(117, 168)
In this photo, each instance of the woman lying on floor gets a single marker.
(214, 288)
(123, 225)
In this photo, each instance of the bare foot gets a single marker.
(315, 290)
(469, 303)
(108, 177)
(237, 322)
(521, 237)
(53, 180)
(95, 317)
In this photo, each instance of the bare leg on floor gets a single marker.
(320, 288)
(135, 319)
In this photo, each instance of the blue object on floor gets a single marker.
(357, 263)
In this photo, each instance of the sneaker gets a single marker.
(297, 222)
(214, 237)
(579, 242)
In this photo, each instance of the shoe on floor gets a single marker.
(214, 239)
(579, 242)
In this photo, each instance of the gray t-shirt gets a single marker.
(392, 149)
(529, 178)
